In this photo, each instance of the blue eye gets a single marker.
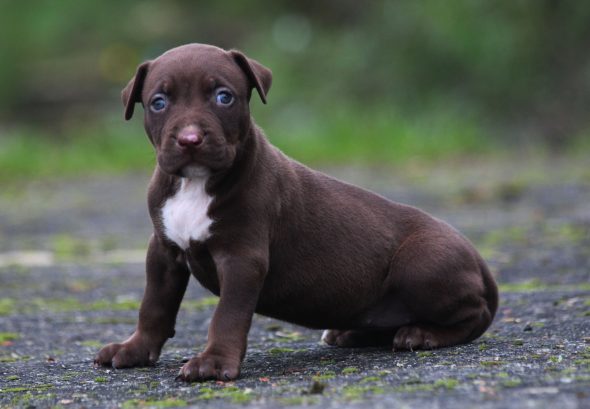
(224, 98)
(158, 103)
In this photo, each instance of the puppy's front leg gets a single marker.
(167, 279)
(240, 279)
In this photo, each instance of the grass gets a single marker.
(386, 137)
(343, 136)
(30, 153)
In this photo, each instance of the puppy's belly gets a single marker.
(333, 304)
(320, 314)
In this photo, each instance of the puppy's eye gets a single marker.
(224, 98)
(158, 103)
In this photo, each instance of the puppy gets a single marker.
(269, 235)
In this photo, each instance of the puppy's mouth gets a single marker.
(196, 159)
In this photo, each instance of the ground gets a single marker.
(71, 278)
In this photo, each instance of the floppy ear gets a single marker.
(132, 92)
(259, 76)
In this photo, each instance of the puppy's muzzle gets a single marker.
(190, 136)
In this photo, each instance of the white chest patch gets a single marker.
(185, 214)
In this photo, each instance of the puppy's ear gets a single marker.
(132, 92)
(259, 76)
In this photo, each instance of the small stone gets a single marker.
(528, 327)
(317, 388)
(559, 346)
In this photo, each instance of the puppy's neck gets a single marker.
(196, 172)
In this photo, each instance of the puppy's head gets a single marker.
(195, 99)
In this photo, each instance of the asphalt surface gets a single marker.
(71, 278)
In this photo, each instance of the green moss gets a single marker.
(164, 403)
(282, 350)
(324, 376)
(81, 286)
(12, 378)
(446, 383)
(14, 358)
(356, 391)
(567, 232)
(101, 379)
(537, 285)
(425, 354)
(525, 286)
(495, 238)
(111, 320)
(483, 346)
(26, 388)
(492, 363)
(67, 247)
(582, 362)
(369, 379)
(8, 336)
(288, 336)
(569, 371)
(21, 399)
(91, 344)
(349, 370)
(14, 389)
(200, 304)
(511, 383)
(518, 342)
(73, 304)
(413, 386)
(232, 393)
(6, 306)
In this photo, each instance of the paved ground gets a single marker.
(71, 278)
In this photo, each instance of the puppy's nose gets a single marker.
(190, 136)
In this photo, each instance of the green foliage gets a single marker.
(338, 138)
(27, 154)
(382, 81)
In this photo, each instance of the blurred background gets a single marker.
(379, 82)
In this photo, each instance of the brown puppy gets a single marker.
(269, 235)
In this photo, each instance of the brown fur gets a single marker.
(286, 241)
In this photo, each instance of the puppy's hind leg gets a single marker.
(452, 295)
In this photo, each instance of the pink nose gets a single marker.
(190, 136)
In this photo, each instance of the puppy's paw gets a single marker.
(329, 336)
(414, 337)
(343, 339)
(356, 338)
(128, 354)
(207, 366)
